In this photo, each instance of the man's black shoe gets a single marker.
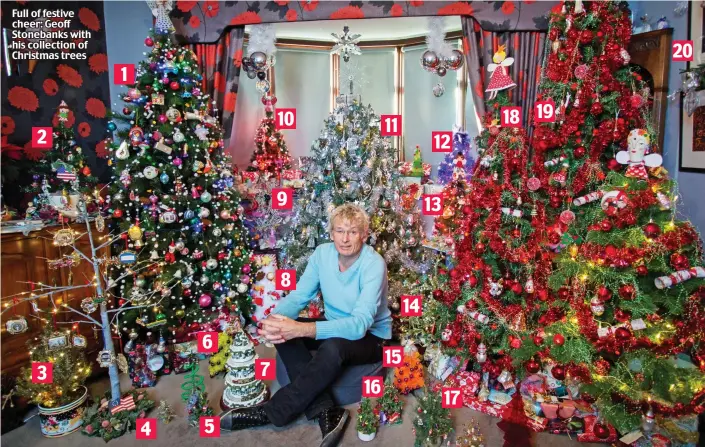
(332, 422)
(242, 418)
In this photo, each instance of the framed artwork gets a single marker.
(57, 342)
(692, 147)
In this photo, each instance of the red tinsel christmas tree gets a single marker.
(623, 317)
(271, 155)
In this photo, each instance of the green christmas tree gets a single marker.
(367, 421)
(173, 194)
(271, 155)
(433, 423)
(195, 396)
(390, 405)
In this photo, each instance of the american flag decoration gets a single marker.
(126, 403)
(64, 174)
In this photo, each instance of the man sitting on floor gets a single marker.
(352, 277)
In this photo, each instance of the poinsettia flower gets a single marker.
(98, 63)
(70, 119)
(309, 5)
(10, 150)
(237, 58)
(348, 12)
(50, 87)
(101, 149)
(8, 125)
(34, 154)
(396, 10)
(185, 6)
(508, 7)
(69, 75)
(282, 2)
(212, 8)
(84, 129)
(416, 4)
(89, 19)
(194, 21)
(229, 102)
(291, 15)
(23, 98)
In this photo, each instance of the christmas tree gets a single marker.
(624, 309)
(70, 369)
(367, 421)
(241, 387)
(165, 413)
(271, 155)
(390, 405)
(174, 197)
(433, 423)
(217, 361)
(195, 396)
(471, 436)
(410, 376)
(64, 163)
(459, 162)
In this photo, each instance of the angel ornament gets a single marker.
(160, 10)
(499, 77)
(637, 156)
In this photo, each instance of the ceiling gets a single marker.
(371, 29)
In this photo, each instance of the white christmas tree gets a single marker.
(241, 387)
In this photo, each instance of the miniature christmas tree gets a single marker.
(459, 162)
(195, 396)
(271, 156)
(367, 421)
(433, 422)
(165, 412)
(390, 405)
(70, 369)
(471, 436)
(216, 364)
(409, 377)
(417, 164)
(241, 387)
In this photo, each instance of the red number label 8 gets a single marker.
(432, 204)
(545, 112)
(372, 386)
(285, 279)
(510, 116)
(451, 398)
(682, 50)
(411, 305)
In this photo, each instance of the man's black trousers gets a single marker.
(311, 374)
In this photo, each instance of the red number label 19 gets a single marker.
(545, 112)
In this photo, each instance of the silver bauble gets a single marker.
(441, 71)
(217, 232)
(438, 90)
(251, 74)
(259, 60)
(454, 61)
(204, 212)
(179, 245)
(429, 60)
(211, 264)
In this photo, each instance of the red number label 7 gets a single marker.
(265, 370)
(451, 398)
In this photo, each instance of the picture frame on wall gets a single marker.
(692, 142)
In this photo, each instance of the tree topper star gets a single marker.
(346, 44)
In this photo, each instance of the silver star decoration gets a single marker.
(353, 76)
(346, 44)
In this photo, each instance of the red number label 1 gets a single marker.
(286, 118)
(124, 74)
(265, 369)
(390, 125)
(451, 398)
(42, 138)
(545, 112)
(432, 204)
(682, 50)
(510, 116)
(282, 198)
(372, 386)
(285, 279)
(411, 305)
(42, 372)
(207, 342)
(392, 356)
(209, 426)
(441, 141)
(146, 428)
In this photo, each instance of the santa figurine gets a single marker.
(499, 78)
(638, 146)
(459, 165)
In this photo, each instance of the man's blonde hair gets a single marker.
(350, 212)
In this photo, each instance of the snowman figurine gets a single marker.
(637, 155)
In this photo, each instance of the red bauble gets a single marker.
(467, 210)
(126, 111)
(613, 165)
(679, 261)
(622, 334)
(472, 281)
(642, 270)
(533, 366)
(149, 42)
(543, 295)
(622, 315)
(652, 230)
(627, 291)
(480, 247)
(516, 288)
(563, 293)
(603, 293)
(516, 232)
(587, 398)
(601, 431)
(453, 273)
(579, 152)
(610, 252)
(554, 238)
(121, 302)
(174, 85)
(555, 201)
(606, 225)
(596, 108)
(559, 339)
(515, 343)
(186, 292)
(438, 294)
(538, 340)
(117, 213)
(558, 372)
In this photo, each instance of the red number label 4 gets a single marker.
(42, 138)
(285, 279)
(209, 426)
(411, 305)
(146, 428)
(42, 372)
(286, 118)
(265, 369)
(545, 112)
(682, 50)
(392, 356)
(282, 198)
(390, 125)
(207, 342)
(510, 116)
(432, 204)
(124, 74)
(372, 386)
(451, 398)
(441, 141)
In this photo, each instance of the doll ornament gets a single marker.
(637, 155)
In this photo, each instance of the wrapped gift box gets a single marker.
(487, 407)
(180, 364)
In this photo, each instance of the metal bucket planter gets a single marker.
(60, 421)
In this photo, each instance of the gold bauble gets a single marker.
(237, 252)
(180, 313)
(135, 233)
